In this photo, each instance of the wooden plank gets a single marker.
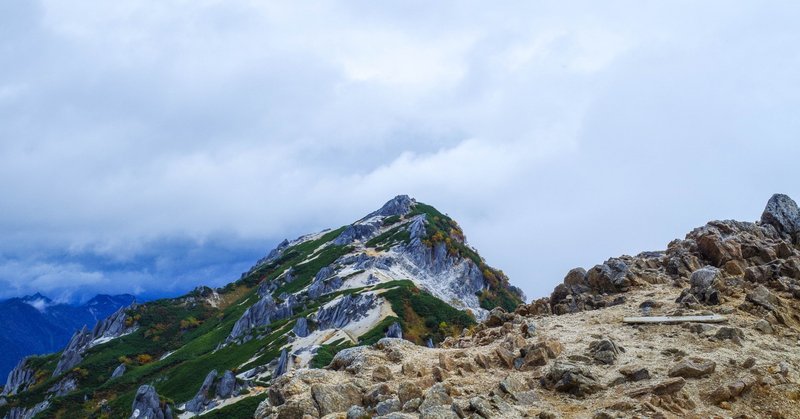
(714, 318)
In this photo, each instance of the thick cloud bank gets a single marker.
(151, 146)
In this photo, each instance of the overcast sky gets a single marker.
(151, 146)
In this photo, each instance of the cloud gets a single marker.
(150, 146)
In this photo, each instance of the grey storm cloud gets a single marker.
(150, 146)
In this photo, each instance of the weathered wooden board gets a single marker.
(714, 318)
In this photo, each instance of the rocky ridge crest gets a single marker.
(570, 355)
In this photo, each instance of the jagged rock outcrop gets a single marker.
(397, 206)
(712, 257)
(63, 387)
(325, 282)
(394, 331)
(783, 214)
(355, 232)
(215, 387)
(27, 413)
(19, 379)
(283, 364)
(147, 405)
(119, 371)
(226, 387)
(112, 327)
(72, 354)
(300, 328)
(202, 399)
(344, 311)
(262, 313)
(705, 287)
(272, 256)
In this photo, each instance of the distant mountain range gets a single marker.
(35, 324)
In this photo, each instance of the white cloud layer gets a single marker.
(557, 134)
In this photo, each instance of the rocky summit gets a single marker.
(395, 316)
(404, 270)
(708, 328)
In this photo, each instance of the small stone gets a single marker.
(483, 361)
(505, 356)
(436, 396)
(446, 362)
(693, 368)
(514, 384)
(408, 390)
(376, 394)
(534, 357)
(604, 351)
(633, 373)
(382, 374)
(764, 327)
(357, 412)
(749, 363)
(528, 329)
(730, 333)
(412, 405)
(388, 406)
(438, 374)
(763, 297)
(664, 387)
(570, 378)
(437, 412)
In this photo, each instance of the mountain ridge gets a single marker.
(404, 269)
(708, 327)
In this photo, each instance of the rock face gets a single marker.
(201, 400)
(215, 387)
(19, 379)
(335, 398)
(355, 232)
(72, 354)
(346, 310)
(397, 206)
(262, 313)
(63, 387)
(693, 368)
(118, 371)
(283, 364)
(112, 327)
(272, 256)
(27, 413)
(783, 214)
(325, 282)
(146, 404)
(395, 331)
(300, 328)
(705, 287)
(571, 378)
(226, 386)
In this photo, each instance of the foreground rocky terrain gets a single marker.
(572, 355)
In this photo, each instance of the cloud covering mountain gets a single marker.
(148, 147)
